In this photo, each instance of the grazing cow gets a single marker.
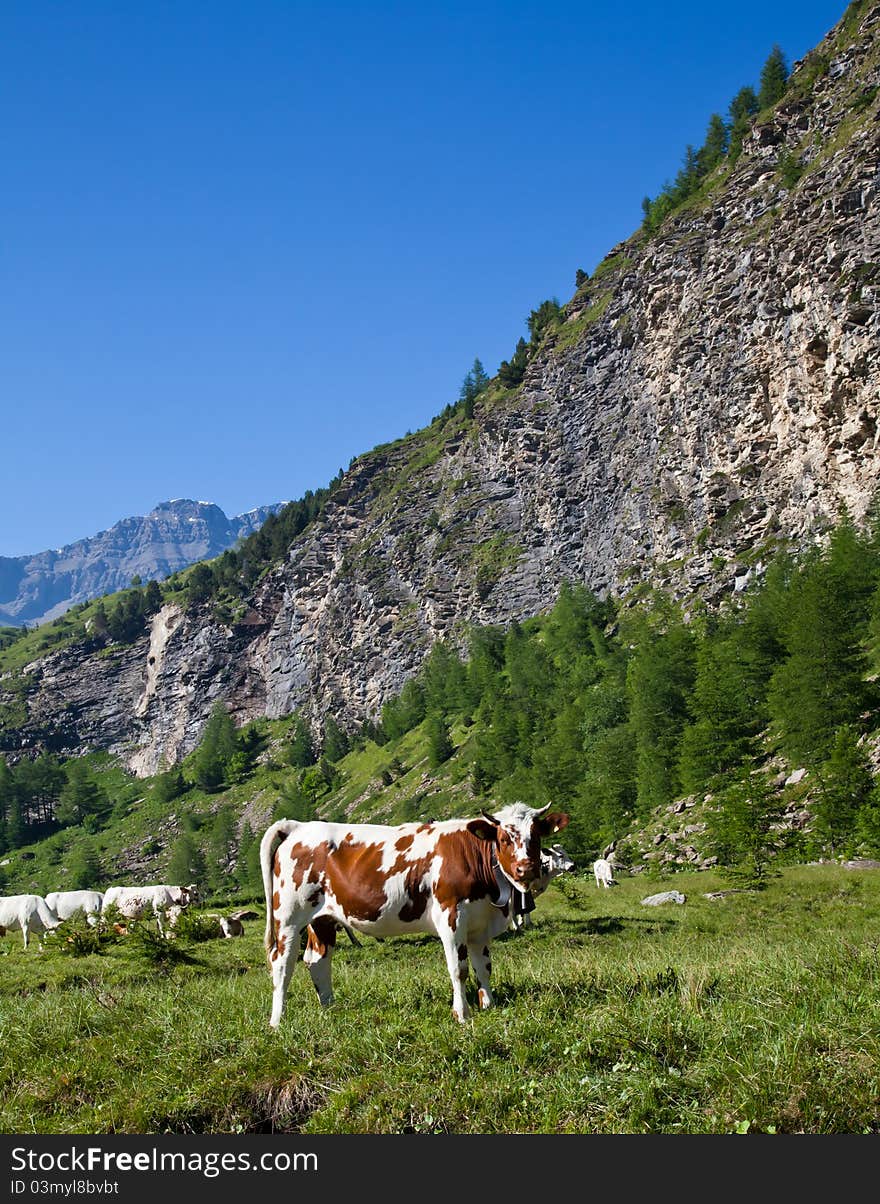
(133, 902)
(66, 903)
(554, 861)
(30, 913)
(604, 871)
(453, 879)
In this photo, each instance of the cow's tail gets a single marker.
(268, 845)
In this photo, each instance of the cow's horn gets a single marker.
(541, 810)
(491, 818)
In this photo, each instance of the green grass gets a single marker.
(759, 1012)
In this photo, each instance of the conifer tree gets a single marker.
(221, 847)
(440, 746)
(821, 685)
(774, 75)
(80, 796)
(659, 679)
(300, 751)
(152, 598)
(187, 862)
(84, 866)
(714, 148)
(511, 372)
(740, 827)
(7, 786)
(846, 785)
(743, 108)
(335, 743)
(544, 318)
(216, 748)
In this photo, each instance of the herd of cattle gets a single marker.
(37, 915)
(464, 880)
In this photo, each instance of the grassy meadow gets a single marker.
(759, 1012)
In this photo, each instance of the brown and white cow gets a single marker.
(453, 879)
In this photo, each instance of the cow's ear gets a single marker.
(554, 822)
(483, 829)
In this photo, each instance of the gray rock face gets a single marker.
(36, 588)
(714, 388)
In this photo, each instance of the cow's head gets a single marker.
(516, 832)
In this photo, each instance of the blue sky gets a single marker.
(243, 243)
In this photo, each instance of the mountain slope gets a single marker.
(712, 392)
(175, 534)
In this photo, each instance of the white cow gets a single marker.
(133, 902)
(604, 871)
(28, 912)
(66, 903)
(554, 861)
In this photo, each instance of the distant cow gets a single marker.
(604, 871)
(453, 878)
(30, 913)
(66, 903)
(226, 926)
(554, 861)
(134, 902)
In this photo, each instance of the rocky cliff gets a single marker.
(712, 391)
(36, 588)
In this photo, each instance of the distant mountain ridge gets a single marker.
(172, 536)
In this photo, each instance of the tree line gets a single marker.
(723, 141)
(615, 711)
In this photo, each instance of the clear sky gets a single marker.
(242, 243)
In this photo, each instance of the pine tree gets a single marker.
(474, 384)
(740, 827)
(440, 746)
(846, 786)
(168, 786)
(659, 680)
(300, 751)
(774, 75)
(218, 744)
(743, 108)
(7, 787)
(821, 684)
(152, 598)
(80, 797)
(335, 742)
(221, 845)
(84, 866)
(580, 278)
(726, 713)
(511, 372)
(187, 862)
(544, 318)
(715, 146)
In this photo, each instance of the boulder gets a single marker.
(666, 896)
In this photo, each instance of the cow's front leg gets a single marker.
(481, 961)
(456, 962)
(319, 951)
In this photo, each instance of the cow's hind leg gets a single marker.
(282, 959)
(481, 961)
(318, 954)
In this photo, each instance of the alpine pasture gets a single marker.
(756, 1012)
